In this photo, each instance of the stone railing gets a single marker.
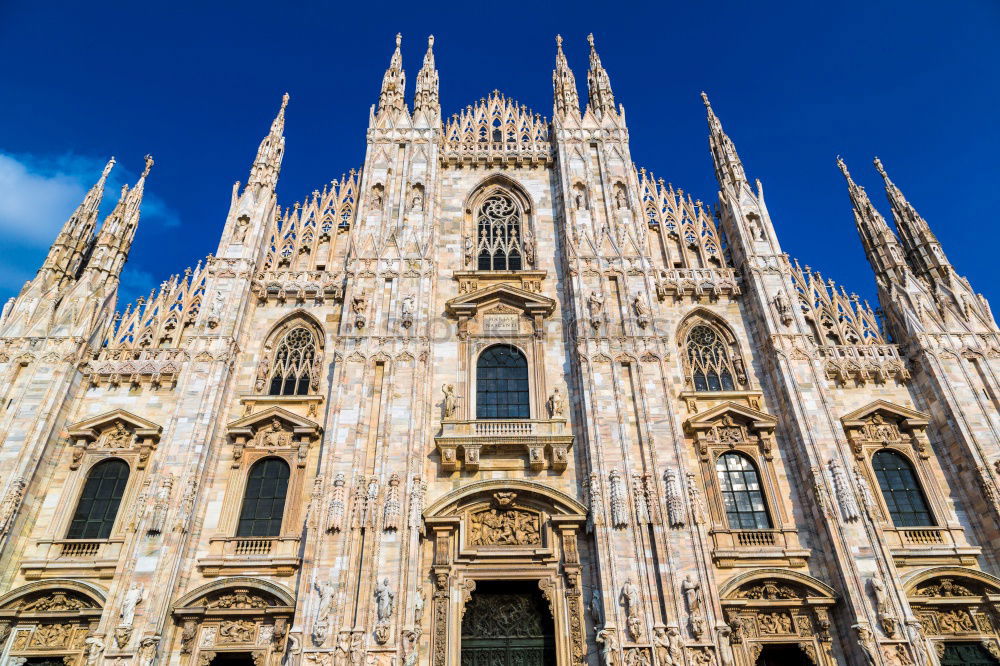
(863, 363)
(297, 286)
(234, 555)
(540, 443)
(497, 152)
(929, 545)
(762, 547)
(696, 282)
(49, 558)
(159, 367)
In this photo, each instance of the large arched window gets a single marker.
(293, 364)
(264, 499)
(99, 501)
(709, 361)
(502, 384)
(742, 495)
(903, 496)
(498, 233)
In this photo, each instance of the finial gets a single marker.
(149, 165)
(284, 101)
(559, 42)
(881, 169)
(704, 99)
(843, 167)
(430, 41)
(108, 166)
(590, 40)
(399, 39)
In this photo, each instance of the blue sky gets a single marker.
(196, 85)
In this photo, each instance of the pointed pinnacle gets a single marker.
(399, 39)
(590, 40)
(559, 42)
(108, 167)
(843, 169)
(881, 169)
(430, 42)
(704, 99)
(149, 165)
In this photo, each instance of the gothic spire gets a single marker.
(394, 82)
(70, 247)
(266, 167)
(728, 167)
(567, 100)
(426, 97)
(921, 245)
(880, 243)
(114, 241)
(601, 100)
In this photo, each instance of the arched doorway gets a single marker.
(783, 654)
(507, 623)
(967, 654)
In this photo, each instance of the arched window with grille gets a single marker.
(502, 384)
(710, 363)
(264, 499)
(498, 232)
(98, 506)
(902, 492)
(742, 495)
(293, 365)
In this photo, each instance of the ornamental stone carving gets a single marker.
(619, 504)
(504, 524)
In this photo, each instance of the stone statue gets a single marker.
(467, 243)
(661, 647)
(609, 653)
(630, 598)
(132, 599)
(556, 404)
(325, 591)
(242, 224)
(384, 599)
(94, 650)
(528, 245)
(595, 608)
(881, 598)
(418, 607)
(417, 202)
(450, 401)
(692, 590)
(408, 305)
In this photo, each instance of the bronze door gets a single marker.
(505, 626)
(967, 654)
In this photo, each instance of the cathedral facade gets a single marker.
(499, 397)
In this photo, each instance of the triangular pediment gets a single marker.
(262, 418)
(737, 412)
(91, 426)
(508, 294)
(910, 417)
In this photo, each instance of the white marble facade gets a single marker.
(658, 338)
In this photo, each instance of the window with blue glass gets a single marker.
(502, 384)
(98, 506)
(902, 492)
(264, 499)
(742, 495)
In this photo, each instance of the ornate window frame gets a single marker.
(115, 434)
(265, 366)
(731, 427)
(507, 314)
(272, 433)
(237, 614)
(883, 425)
(778, 607)
(738, 369)
(550, 556)
(526, 242)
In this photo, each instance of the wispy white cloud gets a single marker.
(37, 195)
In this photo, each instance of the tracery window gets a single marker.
(499, 244)
(264, 499)
(98, 506)
(742, 495)
(502, 384)
(709, 362)
(902, 492)
(294, 363)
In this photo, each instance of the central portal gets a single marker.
(506, 624)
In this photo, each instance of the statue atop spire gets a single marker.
(601, 99)
(426, 98)
(567, 100)
(394, 82)
(728, 166)
(266, 167)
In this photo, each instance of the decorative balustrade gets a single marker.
(278, 556)
(54, 558)
(538, 443)
(863, 363)
(756, 538)
(697, 282)
(919, 546)
(771, 547)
